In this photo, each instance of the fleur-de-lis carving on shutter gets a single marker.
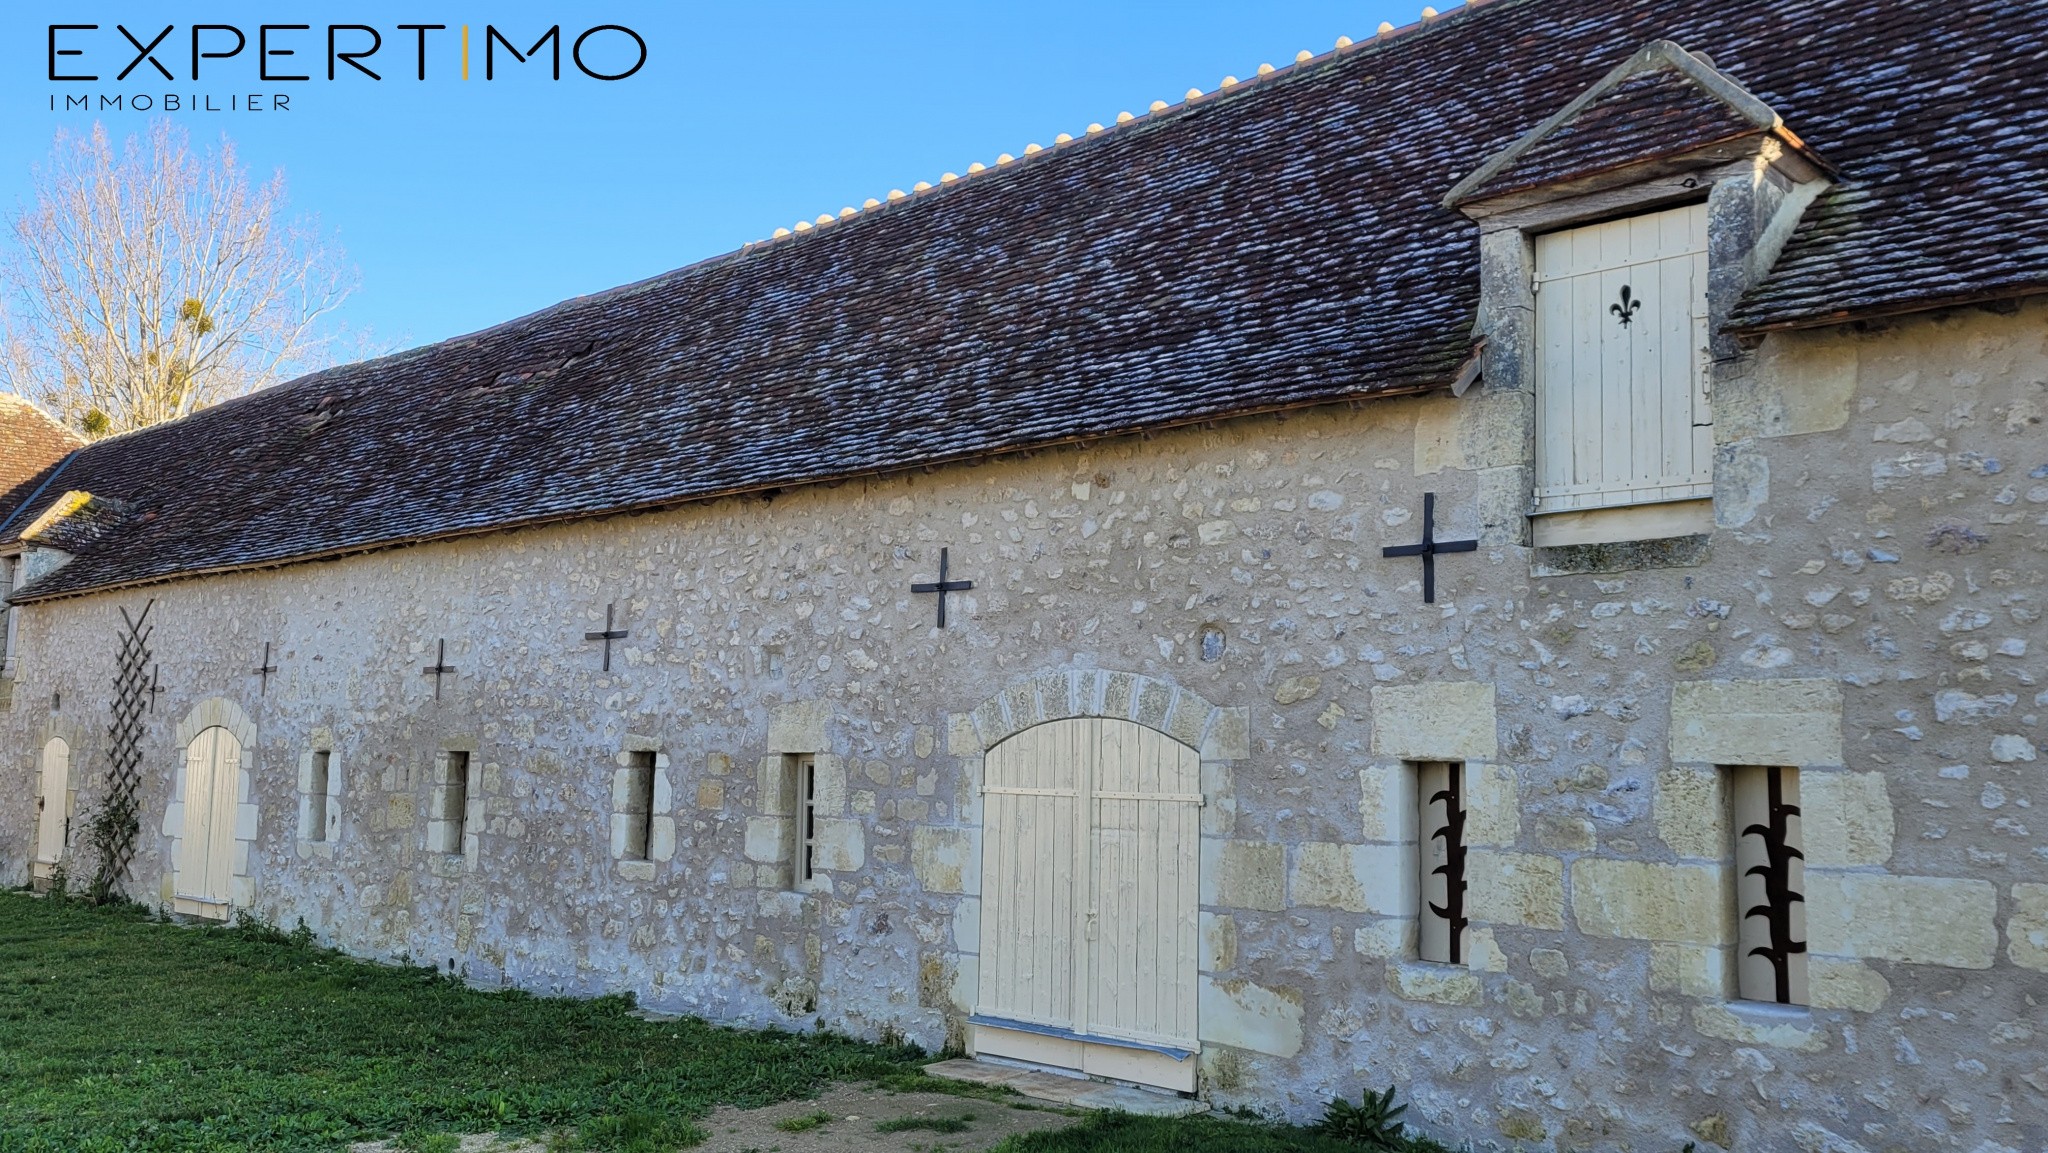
(1621, 333)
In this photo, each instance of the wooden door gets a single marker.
(213, 771)
(53, 823)
(1090, 850)
(1621, 335)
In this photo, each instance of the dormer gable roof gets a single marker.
(1662, 104)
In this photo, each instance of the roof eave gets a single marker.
(30, 594)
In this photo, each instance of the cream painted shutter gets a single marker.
(56, 797)
(220, 833)
(198, 812)
(1621, 334)
(213, 763)
(1029, 856)
(1143, 919)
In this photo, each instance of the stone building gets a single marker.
(1503, 558)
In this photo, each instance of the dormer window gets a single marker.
(1616, 237)
(1622, 417)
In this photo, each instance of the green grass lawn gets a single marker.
(120, 1033)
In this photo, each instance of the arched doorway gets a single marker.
(1090, 901)
(206, 846)
(53, 822)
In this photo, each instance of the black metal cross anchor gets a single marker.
(439, 668)
(265, 669)
(1429, 547)
(156, 688)
(607, 636)
(942, 586)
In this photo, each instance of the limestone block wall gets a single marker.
(1869, 614)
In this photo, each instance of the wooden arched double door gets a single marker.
(53, 821)
(206, 845)
(1090, 901)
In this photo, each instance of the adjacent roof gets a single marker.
(1278, 244)
(32, 443)
(1662, 102)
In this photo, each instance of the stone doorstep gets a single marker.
(1078, 1092)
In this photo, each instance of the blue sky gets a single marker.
(466, 203)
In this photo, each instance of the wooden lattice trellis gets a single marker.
(114, 826)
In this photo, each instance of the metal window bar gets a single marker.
(807, 818)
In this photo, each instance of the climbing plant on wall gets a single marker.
(111, 831)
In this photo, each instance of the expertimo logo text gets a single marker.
(276, 53)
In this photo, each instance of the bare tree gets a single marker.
(150, 282)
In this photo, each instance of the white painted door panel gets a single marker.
(198, 816)
(1621, 333)
(1090, 899)
(213, 763)
(50, 830)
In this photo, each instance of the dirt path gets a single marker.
(844, 1119)
(857, 1110)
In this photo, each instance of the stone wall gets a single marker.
(1869, 612)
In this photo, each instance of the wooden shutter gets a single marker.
(206, 849)
(198, 811)
(1090, 901)
(220, 839)
(1028, 959)
(1621, 334)
(56, 801)
(1143, 916)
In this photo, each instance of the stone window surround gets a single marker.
(1753, 204)
(321, 740)
(947, 858)
(797, 732)
(209, 713)
(464, 860)
(661, 821)
(1454, 721)
(1857, 910)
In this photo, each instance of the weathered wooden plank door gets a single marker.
(52, 822)
(1090, 901)
(213, 764)
(1621, 333)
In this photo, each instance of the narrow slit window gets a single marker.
(1770, 886)
(316, 797)
(453, 802)
(639, 805)
(1441, 856)
(806, 820)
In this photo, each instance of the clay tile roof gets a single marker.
(1278, 243)
(1664, 102)
(31, 445)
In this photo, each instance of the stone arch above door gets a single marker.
(217, 711)
(1219, 734)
